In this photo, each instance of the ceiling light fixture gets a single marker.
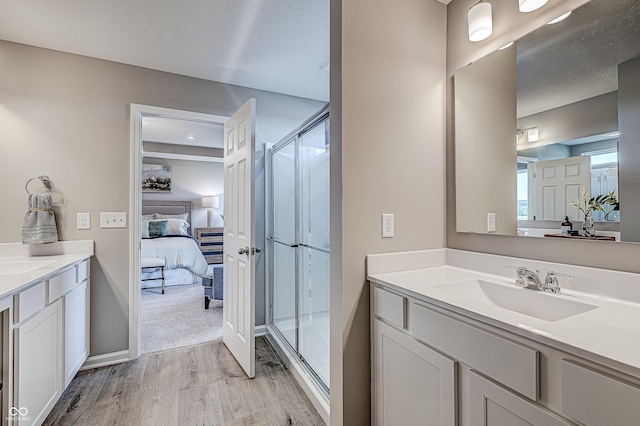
(191, 137)
(531, 5)
(559, 18)
(480, 21)
(506, 45)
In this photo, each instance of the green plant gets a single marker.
(605, 203)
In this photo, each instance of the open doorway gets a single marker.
(176, 207)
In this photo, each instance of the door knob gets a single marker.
(243, 250)
(255, 250)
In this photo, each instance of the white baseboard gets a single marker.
(105, 359)
(261, 330)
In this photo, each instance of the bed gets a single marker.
(184, 262)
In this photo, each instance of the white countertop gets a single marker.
(611, 332)
(22, 270)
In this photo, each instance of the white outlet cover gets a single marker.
(387, 225)
(83, 221)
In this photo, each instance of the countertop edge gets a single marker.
(20, 282)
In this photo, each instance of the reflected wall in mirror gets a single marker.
(555, 114)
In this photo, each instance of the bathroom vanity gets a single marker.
(456, 342)
(44, 311)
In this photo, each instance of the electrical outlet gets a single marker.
(83, 221)
(491, 222)
(113, 219)
(387, 225)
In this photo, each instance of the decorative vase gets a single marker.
(588, 226)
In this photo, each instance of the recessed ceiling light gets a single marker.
(559, 18)
(506, 45)
(191, 137)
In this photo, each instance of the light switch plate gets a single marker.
(84, 221)
(113, 219)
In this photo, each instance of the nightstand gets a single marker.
(211, 243)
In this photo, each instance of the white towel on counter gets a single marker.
(39, 224)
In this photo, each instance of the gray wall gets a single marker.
(190, 180)
(629, 149)
(593, 116)
(485, 127)
(67, 116)
(387, 156)
(509, 24)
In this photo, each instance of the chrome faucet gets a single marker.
(551, 282)
(530, 279)
(525, 277)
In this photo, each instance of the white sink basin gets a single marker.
(21, 267)
(537, 304)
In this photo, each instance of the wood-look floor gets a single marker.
(197, 385)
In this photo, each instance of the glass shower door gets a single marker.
(313, 316)
(283, 242)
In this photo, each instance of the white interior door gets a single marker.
(239, 238)
(557, 184)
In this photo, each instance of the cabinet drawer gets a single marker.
(29, 302)
(594, 398)
(61, 284)
(389, 306)
(506, 361)
(83, 271)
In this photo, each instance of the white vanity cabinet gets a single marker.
(38, 362)
(435, 366)
(51, 341)
(415, 384)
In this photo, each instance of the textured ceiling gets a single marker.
(274, 45)
(577, 58)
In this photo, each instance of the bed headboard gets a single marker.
(168, 207)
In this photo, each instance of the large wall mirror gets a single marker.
(550, 121)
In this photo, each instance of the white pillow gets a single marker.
(148, 216)
(183, 216)
(177, 227)
(144, 225)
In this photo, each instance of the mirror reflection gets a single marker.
(547, 130)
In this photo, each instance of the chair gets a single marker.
(153, 262)
(213, 284)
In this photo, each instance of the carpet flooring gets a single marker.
(178, 318)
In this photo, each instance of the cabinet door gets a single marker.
(493, 405)
(38, 363)
(76, 320)
(413, 385)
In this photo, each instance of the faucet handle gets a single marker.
(561, 275)
(551, 281)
